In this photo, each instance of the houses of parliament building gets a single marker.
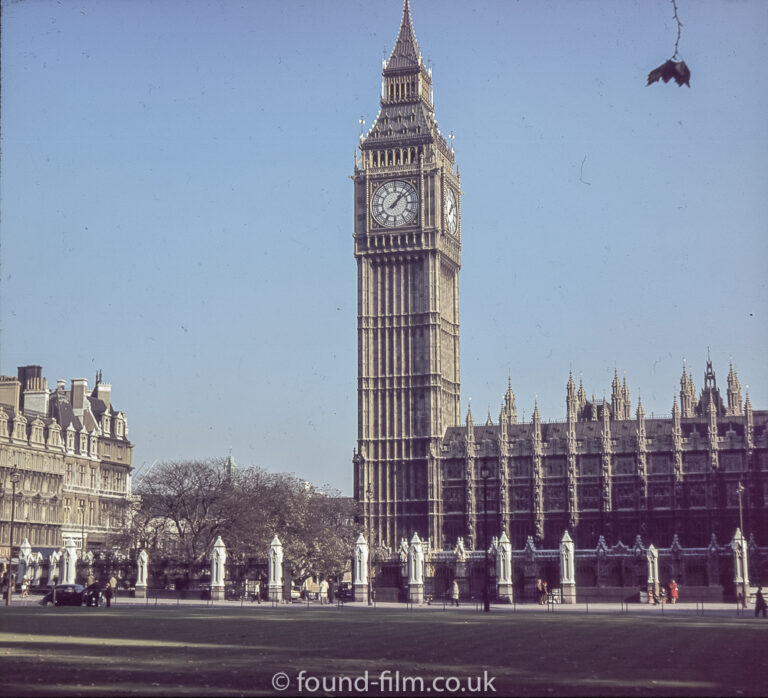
(605, 470)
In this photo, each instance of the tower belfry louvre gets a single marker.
(407, 237)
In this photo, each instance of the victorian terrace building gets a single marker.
(73, 456)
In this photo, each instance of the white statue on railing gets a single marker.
(143, 566)
(503, 560)
(567, 567)
(275, 585)
(740, 567)
(25, 556)
(361, 560)
(218, 568)
(416, 561)
(360, 569)
(416, 570)
(69, 562)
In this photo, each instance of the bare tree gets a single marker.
(186, 504)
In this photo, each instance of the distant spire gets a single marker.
(640, 410)
(509, 402)
(230, 465)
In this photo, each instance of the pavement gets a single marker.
(683, 608)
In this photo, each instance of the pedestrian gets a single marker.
(673, 591)
(545, 591)
(24, 589)
(539, 592)
(323, 592)
(108, 594)
(760, 605)
(455, 594)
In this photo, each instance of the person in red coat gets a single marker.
(673, 593)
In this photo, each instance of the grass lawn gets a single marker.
(230, 651)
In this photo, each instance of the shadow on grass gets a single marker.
(136, 651)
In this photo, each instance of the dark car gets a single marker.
(64, 595)
(94, 594)
(344, 591)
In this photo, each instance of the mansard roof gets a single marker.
(99, 407)
(63, 412)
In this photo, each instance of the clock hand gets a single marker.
(395, 202)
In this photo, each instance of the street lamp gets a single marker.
(740, 491)
(485, 473)
(15, 478)
(82, 528)
(369, 497)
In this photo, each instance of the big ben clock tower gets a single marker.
(408, 251)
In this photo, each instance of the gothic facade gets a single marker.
(606, 470)
(73, 456)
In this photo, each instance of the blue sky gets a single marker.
(177, 209)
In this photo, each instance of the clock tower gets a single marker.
(407, 236)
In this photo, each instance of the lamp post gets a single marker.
(740, 491)
(485, 473)
(369, 497)
(82, 528)
(15, 478)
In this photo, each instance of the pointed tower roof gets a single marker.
(405, 53)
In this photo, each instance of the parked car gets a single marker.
(94, 594)
(344, 591)
(64, 595)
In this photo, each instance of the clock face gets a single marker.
(451, 211)
(394, 204)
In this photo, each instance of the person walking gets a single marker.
(455, 594)
(673, 591)
(760, 605)
(108, 594)
(323, 592)
(539, 592)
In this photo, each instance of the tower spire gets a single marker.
(405, 53)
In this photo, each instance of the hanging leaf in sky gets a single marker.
(671, 70)
(675, 68)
